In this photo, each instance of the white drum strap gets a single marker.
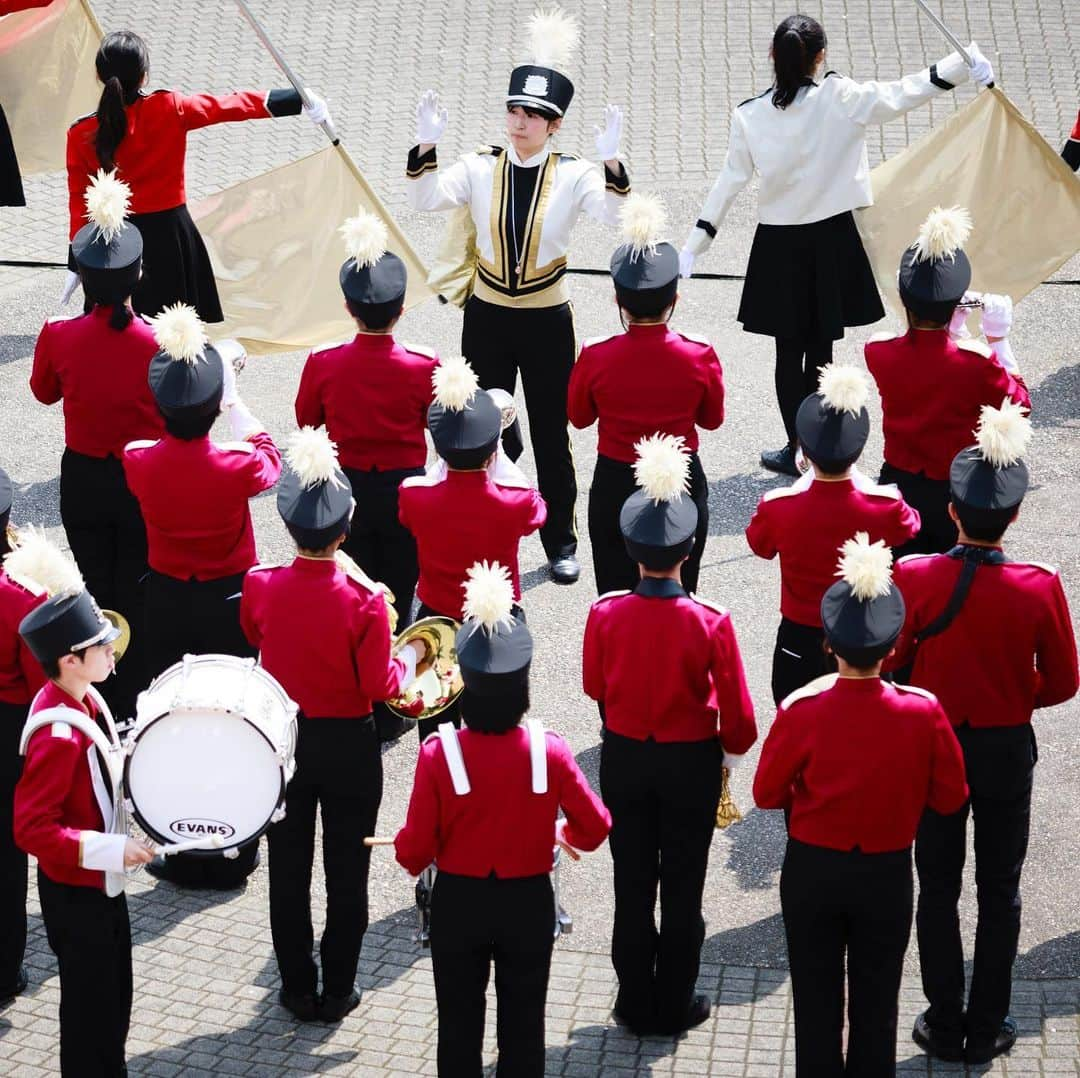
(454, 760)
(538, 755)
(72, 717)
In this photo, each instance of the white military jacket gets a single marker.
(811, 156)
(565, 187)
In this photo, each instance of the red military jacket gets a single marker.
(373, 395)
(500, 826)
(807, 522)
(194, 500)
(323, 634)
(932, 389)
(101, 375)
(647, 380)
(1009, 650)
(666, 665)
(460, 520)
(857, 761)
(20, 673)
(150, 158)
(59, 807)
(9, 7)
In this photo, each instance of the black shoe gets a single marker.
(304, 1007)
(17, 989)
(980, 1050)
(564, 569)
(699, 1010)
(781, 460)
(391, 727)
(334, 1008)
(946, 1045)
(634, 1024)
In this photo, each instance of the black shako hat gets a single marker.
(464, 421)
(833, 424)
(7, 493)
(63, 624)
(187, 375)
(494, 645)
(314, 497)
(646, 281)
(934, 272)
(373, 279)
(538, 85)
(108, 249)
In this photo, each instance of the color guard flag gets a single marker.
(1024, 200)
(276, 252)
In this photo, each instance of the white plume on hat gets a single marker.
(107, 201)
(662, 468)
(455, 383)
(40, 561)
(642, 220)
(489, 595)
(943, 233)
(843, 388)
(1003, 434)
(312, 457)
(866, 567)
(365, 238)
(180, 333)
(553, 36)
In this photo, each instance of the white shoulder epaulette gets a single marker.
(800, 486)
(60, 729)
(913, 557)
(883, 336)
(697, 338)
(424, 480)
(707, 603)
(1051, 569)
(327, 347)
(430, 739)
(865, 485)
(610, 595)
(599, 340)
(917, 690)
(61, 318)
(569, 156)
(263, 567)
(236, 447)
(141, 443)
(813, 688)
(973, 344)
(421, 350)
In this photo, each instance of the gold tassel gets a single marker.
(727, 812)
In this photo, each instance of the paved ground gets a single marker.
(205, 976)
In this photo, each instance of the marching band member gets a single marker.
(808, 276)
(194, 498)
(646, 380)
(143, 136)
(68, 815)
(1071, 150)
(20, 677)
(483, 807)
(323, 631)
(855, 761)
(666, 670)
(993, 639)
(465, 515)
(807, 522)
(933, 380)
(523, 202)
(97, 365)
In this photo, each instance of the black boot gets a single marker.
(781, 461)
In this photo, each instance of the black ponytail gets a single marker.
(795, 46)
(122, 62)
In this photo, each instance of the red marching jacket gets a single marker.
(20, 673)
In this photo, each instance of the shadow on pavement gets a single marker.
(760, 943)
(38, 503)
(1056, 399)
(755, 849)
(732, 501)
(15, 346)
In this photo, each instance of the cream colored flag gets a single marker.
(47, 78)
(1024, 200)
(276, 252)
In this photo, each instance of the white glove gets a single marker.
(71, 283)
(608, 139)
(981, 71)
(229, 394)
(958, 323)
(318, 112)
(242, 422)
(431, 119)
(233, 358)
(1003, 350)
(686, 262)
(997, 315)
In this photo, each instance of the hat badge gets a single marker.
(536, 86)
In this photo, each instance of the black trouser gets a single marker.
(838, 903)
(937, 532)
(338, 770)
(475, 921)
(1000, 763)
(613, 482)
(107, 537)
(501, 341)
(91, 938)
(798, 367)
(662, 798)
(12, 859)
(798, 658)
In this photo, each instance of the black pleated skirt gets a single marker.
(11, 188)
(808, 282)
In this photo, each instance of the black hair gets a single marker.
(51, 667)
(374, 316)
(110, 288)
(319, 541)
(984, 525)
(650, 303)
(795, 45)
(543, 114)
(865, 658)
(832, 467)
(188, 427)
(122, 62)
(494, 714)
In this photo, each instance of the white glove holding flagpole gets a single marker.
(981, 71)
(686, 262)
(316, 109)
(997, 315)
(71, 283)
(609, 137)
(431, 119)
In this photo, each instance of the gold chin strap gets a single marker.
(727, 812)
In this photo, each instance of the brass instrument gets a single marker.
(727, 812)
(123, 641)
(441, 684)
(354, 572)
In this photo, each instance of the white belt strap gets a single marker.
(538, 755)
(454, 760)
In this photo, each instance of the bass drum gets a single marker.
(210, 753)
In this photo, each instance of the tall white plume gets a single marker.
(40, 561)
(455, 383)
(943, 233)
(843, 388)
(107, 202)
(180, 333)
(866, 567)
(312, 456)
(1003, 434)
(489, 595)
(365, 238)
(553, 36)
(642, 220)
(662, 468)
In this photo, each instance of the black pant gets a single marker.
(91, 938)
(475, 921)
(339, 770)
(501, 341)
(1000, 763)
(662, 799)
(798, 367)
(838, 903)
(12, 859)
(937, 532)
(613, 482)
(798, 658)
(107, 537)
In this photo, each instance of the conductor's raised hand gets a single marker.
(431, 119)
(609, 136)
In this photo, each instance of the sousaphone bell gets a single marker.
(440, 685)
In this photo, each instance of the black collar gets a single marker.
(984, 555)
(655, 587)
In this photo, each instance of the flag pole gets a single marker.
(949, 36)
